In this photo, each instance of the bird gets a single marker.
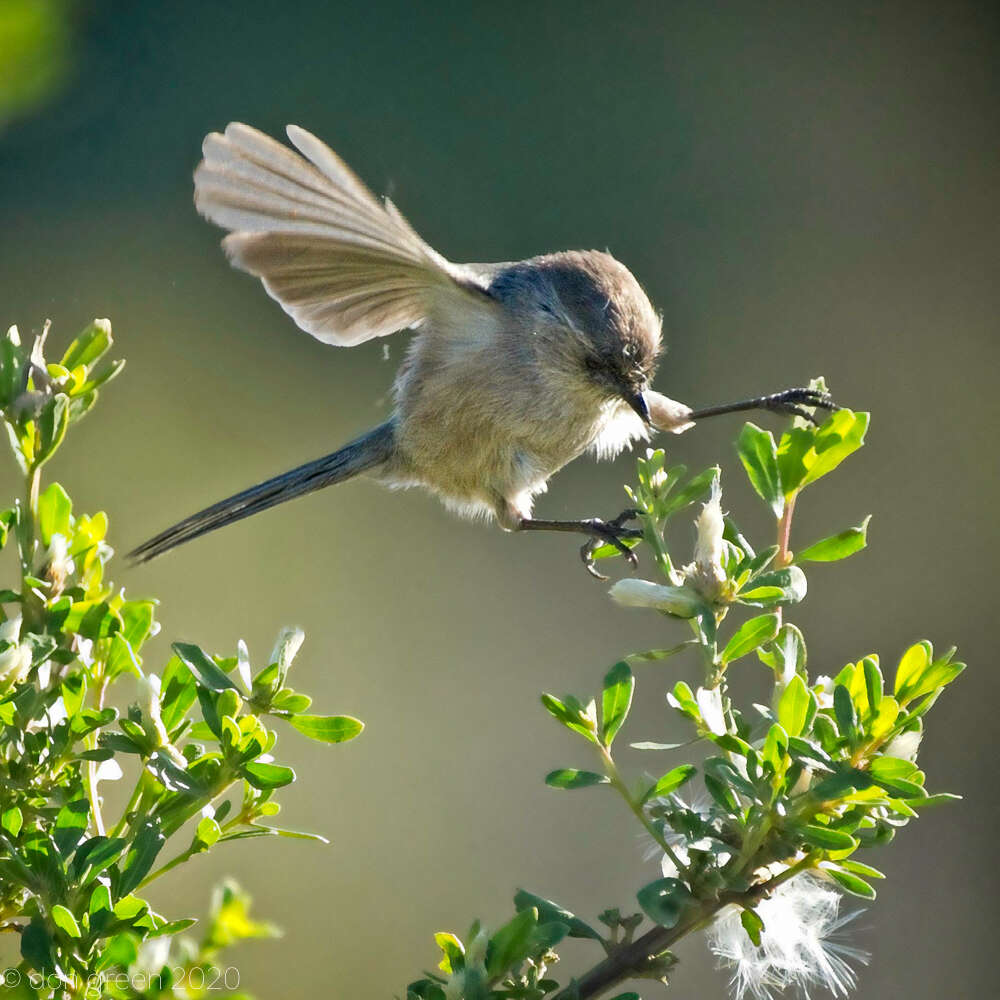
(514, 370)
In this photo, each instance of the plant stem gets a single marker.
(196, 848)
(130, 805)
(91, 743)
(30, 605)
(618, 783)
(634, 958)
(784, 556)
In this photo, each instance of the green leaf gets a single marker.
(919, 674)
(873, 683)
(453, 951)
(328, 728)
(619, 684)
(570, 777)
(172, 927)
(843, 782)
(697, 488)
(841, 435)
(843, 710)
(36, 946)
(208, 831)
(95, 855)
(570, 714)
(779, 586)
(787, 654)
(12, 820)
(671, 781)
(652, 655)
(750, 635)
(178, 690)
(65, 921)
(171, 775)
(775, 748)
(838, 546)
(827, 839)
(664, 901)
(71, 825)
(203, 667)
(91, 619)
(849, 882)
(54, 510)
(8, 522)
(121, 659)
(510, 945)
(549, 911)
(759, 456)
(121, 951)
(137, 621)
(794, 706)
(753, 925)
(293, 834)
(794, 445)
(51, 428)
(265, 776)
(938, 799)
(860, 869)
(89, 345)
(287, 700)
(145, 847)
(912, 666)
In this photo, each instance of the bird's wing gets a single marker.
(343, 265)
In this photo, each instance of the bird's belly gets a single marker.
(483, 466)
(486, 437)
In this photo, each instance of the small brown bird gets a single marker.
(516, 368)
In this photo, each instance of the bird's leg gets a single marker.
(601, 532)
(793, 402)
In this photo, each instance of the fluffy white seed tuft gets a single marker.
(802, 945)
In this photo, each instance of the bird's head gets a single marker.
(597, 325)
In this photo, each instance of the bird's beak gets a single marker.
(637, 400)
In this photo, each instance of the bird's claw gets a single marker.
(611, 532)
(799, 403)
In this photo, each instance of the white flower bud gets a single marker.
(823, 689)
(58, 564)
(149, 694)
(286, 646)
(710, 702)
(707, 573)
(15, 656)
(905, 745)
(679, 601)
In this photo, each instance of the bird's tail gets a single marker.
(367, 452)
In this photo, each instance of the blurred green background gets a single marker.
(802, 188)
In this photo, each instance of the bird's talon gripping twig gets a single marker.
(611, 532)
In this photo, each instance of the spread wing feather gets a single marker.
(344, 265)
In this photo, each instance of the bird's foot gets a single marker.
(612, 533)
(798, 403)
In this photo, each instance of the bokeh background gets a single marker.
(802, 188)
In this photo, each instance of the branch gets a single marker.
(633, 960)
